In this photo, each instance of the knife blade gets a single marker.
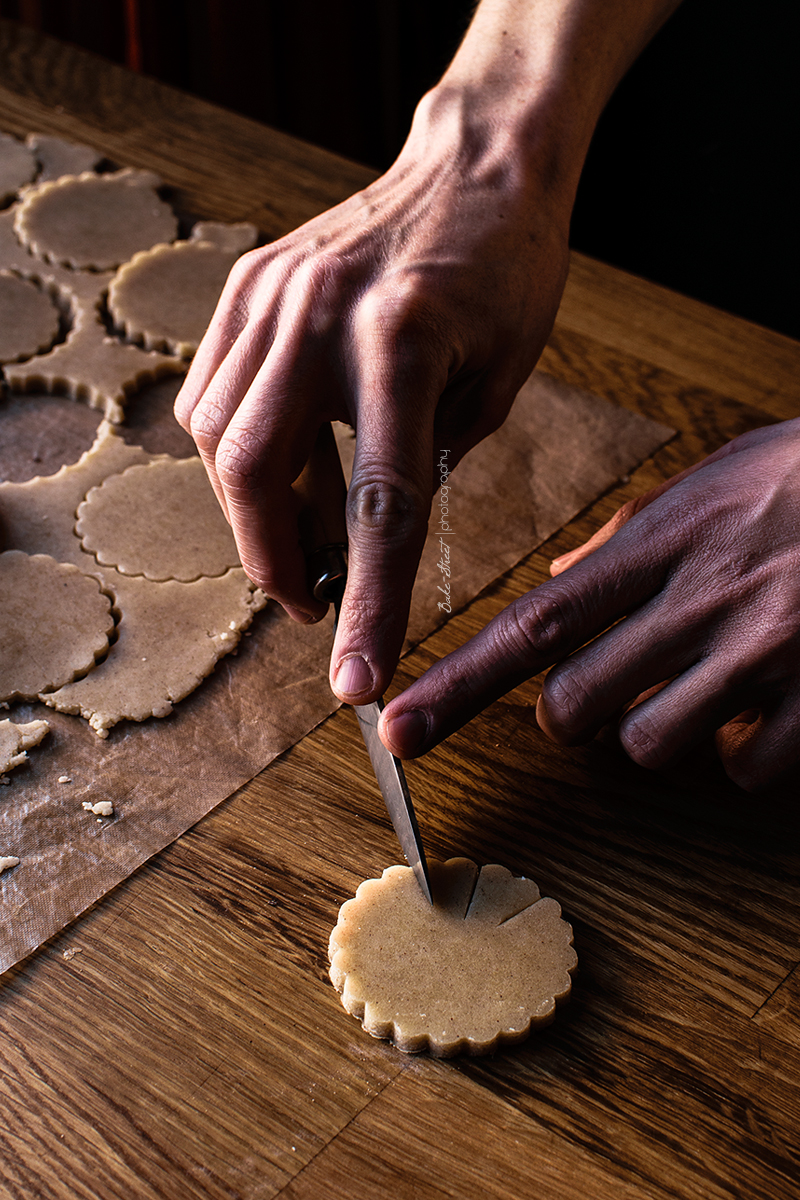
(322, 491)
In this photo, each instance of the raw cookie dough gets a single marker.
(94, 221)
(165, 297)
(29, 320)
(54, 624)
(16, 740)
(17, 166)
(57, 157)
(171, 635)
(161, 520)
(476, 970)
(89, 365)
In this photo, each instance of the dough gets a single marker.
(94, 221)
(17, 166)
(15, 740)
(166, 296)
(7, 861)
(29, 320)
(57, 157)
(170, 637)
(161, 520)
(54, 624)
(89, 364)
(476, 970)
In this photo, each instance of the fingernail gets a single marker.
(303, 618)
(407, 732)
(353, 676)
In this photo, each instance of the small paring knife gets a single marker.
(323, 492)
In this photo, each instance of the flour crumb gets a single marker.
(64, 779)
(7, 861)
(69, 954)
(103, 808)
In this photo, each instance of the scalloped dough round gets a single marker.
(28, 319)
(478, 969)
(54, 624)
(161, 520)
(94, 222)
(165, 297)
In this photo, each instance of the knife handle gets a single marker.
(322, 492)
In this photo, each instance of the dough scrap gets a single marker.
(18, 166)
(7, 861)
(476, 970)
(29, 321)
(165, 297)
(92, 366)
(57, 157)
(161, 520)
(16, 740)
(94, 221)
(170, 637)
(54, 624)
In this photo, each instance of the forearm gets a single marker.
(531, 78)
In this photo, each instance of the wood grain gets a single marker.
(183, 1041)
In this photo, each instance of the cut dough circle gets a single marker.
(94, 222)
(18, 166)
(54, 624)
(478, 969)
(161, 520)
(165, 297)
(29, 320)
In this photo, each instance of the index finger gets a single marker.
(535, 631)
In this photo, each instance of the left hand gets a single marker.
(706, 572)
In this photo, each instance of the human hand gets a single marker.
(414, 311)
(706, 572)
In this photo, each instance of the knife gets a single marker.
(322, 492)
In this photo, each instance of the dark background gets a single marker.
(690, 179)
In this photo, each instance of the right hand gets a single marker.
(414, 311)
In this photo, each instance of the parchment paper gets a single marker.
(557, 452)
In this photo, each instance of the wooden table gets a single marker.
(182, 1040)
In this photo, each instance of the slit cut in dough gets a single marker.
(483, 965)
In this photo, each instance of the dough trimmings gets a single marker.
(54, 624)
(18, 166)
(29, 321)
(94, 222)
(16, 740)
(161, 520)
(476, 970)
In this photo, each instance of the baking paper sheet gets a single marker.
(557, 452)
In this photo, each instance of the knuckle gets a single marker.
(536, 627)
(567, 700)
(643, 741)
(239, 463)
(392, 507)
